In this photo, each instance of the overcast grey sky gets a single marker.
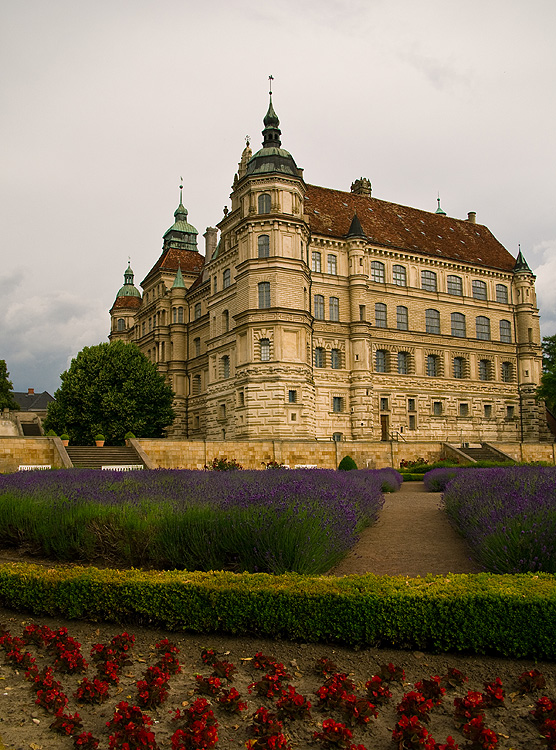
(104, 105)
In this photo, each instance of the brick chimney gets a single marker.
(472, 217)
(30, 391)
(211, 238)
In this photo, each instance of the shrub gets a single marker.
(437, 479)
(391, 479)
(223, 464)
(129, 436)
(51, 433)
(347, 464)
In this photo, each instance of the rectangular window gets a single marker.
(482, 327)
(502, 293)
(383, 404)
(402, 319)
(337, 403)
(428, 281)
(377, 271)
(214, 284)
(319, 306)
(410, 404)
(458, 325)
(403, 363)
(319, 357)
(381, 360)
(479, 289)
(510, 412)
(315, 262)
(264, 295)
(292, 397)
(454, 285)
(197, 311)
(362, 312)
(506, 331)
(432, 365)
(226, 278)
(464, 410)
(412, 421)
(335, 359)
(399, 276)
(197, 346)
(332, 264)
(488, 411)
(241, 398)
(334, 309)
(437, 408)
(432, 321)
(380, 315)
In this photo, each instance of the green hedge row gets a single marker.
(512, 615)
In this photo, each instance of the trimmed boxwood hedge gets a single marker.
(512, 615)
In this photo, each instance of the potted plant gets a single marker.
(99, 440)
(65, 438)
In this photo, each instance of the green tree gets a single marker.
(547, 390)
(7, 400)
(110, 389)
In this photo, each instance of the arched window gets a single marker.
(264, 348)
(399, 275)
(377, 271)
(264, 203)
(174, 315)
(319, 357)
(506, 331)
(225, 321)
(502, 293)
(402, 318)
(432, 321)
(403, 363)
(507, 372)
(432, 365)
(335, 359)
(264, 294)
(380, 315)
(332, 264)
(482, 326)
(459, 367)
(121, 324)
(381, 360)
(225, 366)
(479, 289)
(428, 281)
(263, 245)
(196, 387)
(484, 369)
(454, 285)
(198, 311)
(180, 314)
(458, 325)
(315, 261)
(226, 278)
(334, 308)
(319, 306)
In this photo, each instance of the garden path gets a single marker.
(412, 537)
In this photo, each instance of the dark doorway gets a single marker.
(384, 427)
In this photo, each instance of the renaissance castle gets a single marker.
(320, 313)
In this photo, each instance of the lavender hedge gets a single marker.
(392, 480)
(507, 515)
(274, 521)
(436, 480)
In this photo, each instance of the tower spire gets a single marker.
(439, 210)
(271, 132)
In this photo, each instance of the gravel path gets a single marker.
(412, 537)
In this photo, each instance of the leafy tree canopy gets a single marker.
(7, 400)
(110, 389)
(547, 390)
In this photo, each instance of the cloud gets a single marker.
(40, 332)
(543, 262)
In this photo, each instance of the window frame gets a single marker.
(506, 335)
(429, 280)
(432, 365)
(316, 261)
(454, 285)
(264, 203)
(458, 369)
(197, 311)
(263, 246)
(482, 328)
(403, 357)
(502, 295)
(399, 277)
(318, 306)
(334, 309)
(337, 404)
(335, 359)
(458, 325)
(432, 321)
(263, 288)
(381, 360)
(381, 315)
(264, 350)
(319, 357)
(402, 318)
(332, 264)
(479, 290)
(378, 272)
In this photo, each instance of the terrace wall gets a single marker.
(194, 454)
(36, 451)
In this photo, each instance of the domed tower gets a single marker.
(262, 319)
(126, 305)
(529, 353)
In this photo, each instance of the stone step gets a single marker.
(91, 457)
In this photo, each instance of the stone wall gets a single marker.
(36, 451)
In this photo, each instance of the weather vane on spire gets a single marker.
(181, 189)
(270, 79)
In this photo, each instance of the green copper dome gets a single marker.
(181, 224)
(128, 289)
(271, 157)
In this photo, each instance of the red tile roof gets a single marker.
(127, 302)
(410, 230)
(189, 261)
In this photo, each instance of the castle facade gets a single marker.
(323, 314)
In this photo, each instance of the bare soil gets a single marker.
(412, 537)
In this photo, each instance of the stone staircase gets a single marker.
(91, 457)
(485, 453)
